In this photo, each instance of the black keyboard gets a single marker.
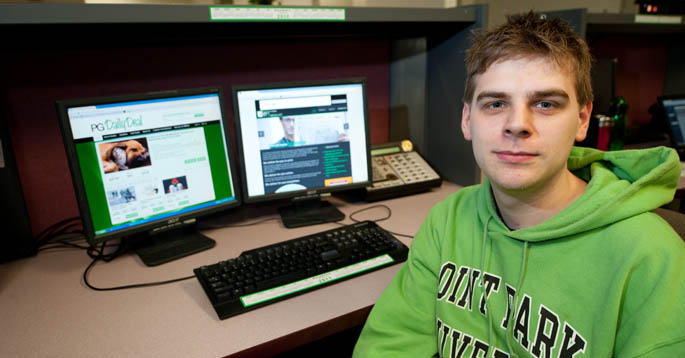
(276, 272)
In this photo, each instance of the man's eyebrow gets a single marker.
(549, 93)
(492, 94)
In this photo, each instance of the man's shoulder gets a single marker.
(647, 230)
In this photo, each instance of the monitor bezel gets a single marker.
(671, 133)
(310, 192)
(160, 224)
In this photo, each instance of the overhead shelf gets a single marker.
(139, 13)
(634, 23)
(45, 25)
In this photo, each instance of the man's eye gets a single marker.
(495, 105)
(545, 105)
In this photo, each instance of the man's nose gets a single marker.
(519, 123)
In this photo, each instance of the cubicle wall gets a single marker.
(16, 240)
(412, 59)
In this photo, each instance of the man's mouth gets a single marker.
(514, 156)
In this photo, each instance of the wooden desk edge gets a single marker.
(307, 335)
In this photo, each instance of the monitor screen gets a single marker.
(301, 140)
(151, 162)
(674, 107)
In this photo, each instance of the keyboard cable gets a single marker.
(99, 254)
(387, 208)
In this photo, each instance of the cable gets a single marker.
(62, 245)
(69, 237)
(66, 240)
(138, 285)
(369, 208)
(59, 236)
(205, 227)
(67, 244)
(100, 255)
(398, 234)
(351, 216)
(56, 229)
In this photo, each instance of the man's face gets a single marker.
(523, 119)
(289, 127)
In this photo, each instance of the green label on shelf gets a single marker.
(279, 13)
(658, 19)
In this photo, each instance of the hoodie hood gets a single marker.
(621, 184)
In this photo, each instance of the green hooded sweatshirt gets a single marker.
(605, 277)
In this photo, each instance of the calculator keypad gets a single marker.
(401, 168)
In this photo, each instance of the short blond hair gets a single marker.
(531, 35)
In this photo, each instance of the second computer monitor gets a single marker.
(674, 109)
(300, 140)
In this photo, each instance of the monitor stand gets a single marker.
(309, 211)
(156, 249)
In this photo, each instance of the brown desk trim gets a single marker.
(306, 335)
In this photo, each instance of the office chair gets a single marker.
(676, 219)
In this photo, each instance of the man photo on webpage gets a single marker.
(556, 253)
(288, 138)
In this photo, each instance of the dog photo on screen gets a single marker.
(124, 155)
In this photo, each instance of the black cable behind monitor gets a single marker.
(98, 254)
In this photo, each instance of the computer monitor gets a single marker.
(146, 166)
(674, 110)
(302, 141)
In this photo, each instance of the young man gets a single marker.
(556, 254)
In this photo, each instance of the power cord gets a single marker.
(351, 216)
(99, 254)
(70, 240)
(61, 232)
(68, 234)
(221, 226)
(387, 208)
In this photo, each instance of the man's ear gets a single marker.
(466, 121)
(584, 115)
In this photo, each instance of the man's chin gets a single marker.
(511, 186)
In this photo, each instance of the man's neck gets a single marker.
(525, 208)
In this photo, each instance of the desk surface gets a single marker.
(47, 311)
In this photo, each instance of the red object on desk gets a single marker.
(604, 135)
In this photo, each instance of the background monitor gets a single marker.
(674, 109)
(302, 140)
(150, 164)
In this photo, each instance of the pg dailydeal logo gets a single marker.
(118, 124)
